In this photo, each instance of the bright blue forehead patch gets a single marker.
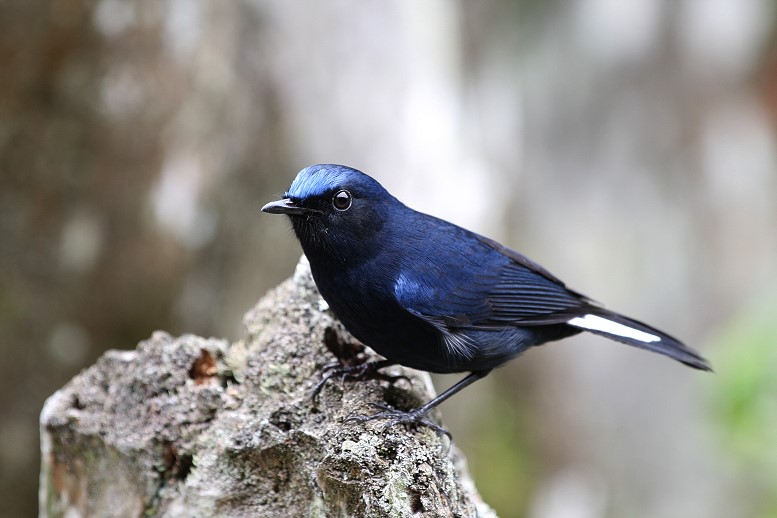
(322, 178)
(319, 179)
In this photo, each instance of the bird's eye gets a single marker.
(342, 200)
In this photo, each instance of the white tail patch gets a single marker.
(596, 323)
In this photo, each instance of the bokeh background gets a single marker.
(627, 145)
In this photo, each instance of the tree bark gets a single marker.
(191, 426)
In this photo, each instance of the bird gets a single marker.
(427, 294)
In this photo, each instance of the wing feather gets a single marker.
(505, 288)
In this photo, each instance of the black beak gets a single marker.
(284, 206)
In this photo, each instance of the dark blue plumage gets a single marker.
(430, 295)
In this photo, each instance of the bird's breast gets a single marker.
(368, 309)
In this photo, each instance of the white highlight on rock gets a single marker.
(597, 323)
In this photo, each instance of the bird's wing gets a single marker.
(489, 295)
(502, 288)
(482, 284)
(524, 296)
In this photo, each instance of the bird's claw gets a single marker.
(331, 366)
(395, 417)
(362, 371)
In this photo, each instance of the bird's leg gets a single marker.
(417, 416)
(362, 371)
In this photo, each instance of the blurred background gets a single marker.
(627, 145)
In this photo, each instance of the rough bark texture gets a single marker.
(199, 427)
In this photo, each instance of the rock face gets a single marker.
(199, 427)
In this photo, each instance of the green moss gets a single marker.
(397, 496)
(276, 379)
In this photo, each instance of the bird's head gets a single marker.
(336, 211)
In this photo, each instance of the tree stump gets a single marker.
(200, 427)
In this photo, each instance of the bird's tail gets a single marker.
(632, 332)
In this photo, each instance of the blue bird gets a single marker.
(430, 295)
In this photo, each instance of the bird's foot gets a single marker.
(363, 371)
(394, 417)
